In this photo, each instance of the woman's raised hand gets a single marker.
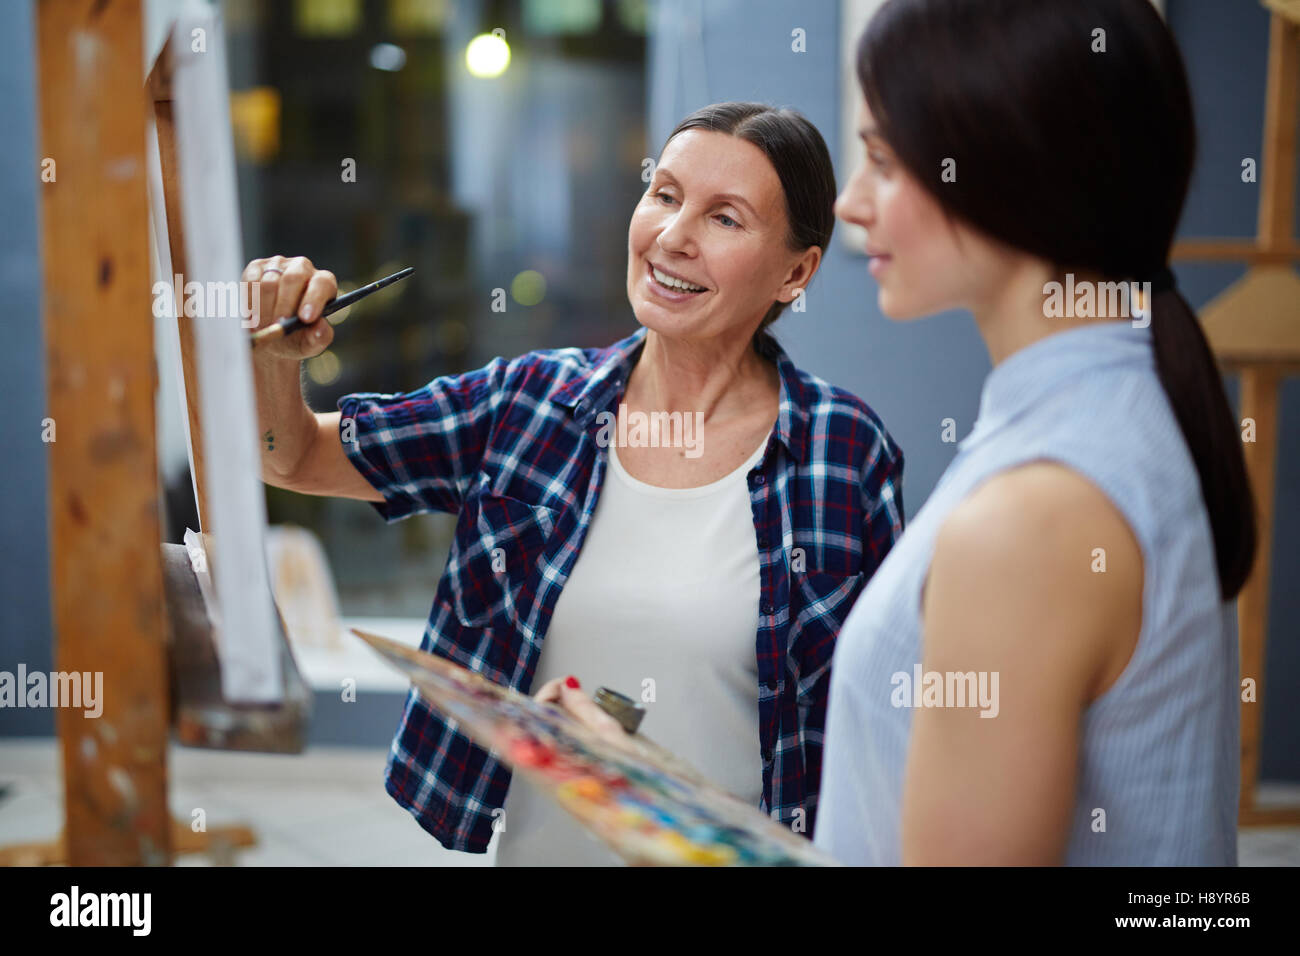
(289, 287)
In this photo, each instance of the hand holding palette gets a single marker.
(647, 805)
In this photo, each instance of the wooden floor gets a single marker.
(328, 807)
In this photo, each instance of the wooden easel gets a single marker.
(192, 176)
(112, 612)
(1254, 328)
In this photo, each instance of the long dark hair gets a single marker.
(803, 165)
(1071, 127)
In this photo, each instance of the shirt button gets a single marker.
(766, 608)
(759, 479)
(771, 685)
(767, 755)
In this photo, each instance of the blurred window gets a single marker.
(366, 144)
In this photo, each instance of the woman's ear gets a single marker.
(801, 273)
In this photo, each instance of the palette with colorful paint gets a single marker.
(647, 805)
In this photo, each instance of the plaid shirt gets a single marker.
(512, 448)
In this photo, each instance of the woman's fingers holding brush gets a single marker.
(311, 340)
(266, 274)
(290, 287)
(315, 338)
(321, 287)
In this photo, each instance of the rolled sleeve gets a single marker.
(358, 413)
(419, 449)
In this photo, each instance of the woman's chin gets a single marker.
(891, 308)
(898, 309)
(656, 319)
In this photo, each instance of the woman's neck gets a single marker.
(1016, 315)
(722, 379)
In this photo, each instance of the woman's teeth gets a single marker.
(664, 278)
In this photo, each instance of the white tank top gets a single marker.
(663, 598)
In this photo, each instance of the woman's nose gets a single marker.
(853, 204)
(677, 234)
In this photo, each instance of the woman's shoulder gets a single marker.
(1046, 522)
(855, 432)
(1040, 504)
(1045, 550)
(561, 371)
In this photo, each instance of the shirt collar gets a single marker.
(594, 390)
(1028, 377)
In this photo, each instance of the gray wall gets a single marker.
(24, 555)
(914, 375)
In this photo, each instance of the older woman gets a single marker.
(705, 571)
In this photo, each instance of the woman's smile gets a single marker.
(673, 293)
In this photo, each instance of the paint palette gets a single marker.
(650, 807)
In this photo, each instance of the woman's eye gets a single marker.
(730, 223)
(663, 196)
(878, 160)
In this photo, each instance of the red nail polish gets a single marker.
(571, 681)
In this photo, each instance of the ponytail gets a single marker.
(1191, 379)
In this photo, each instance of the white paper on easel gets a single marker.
(198, 554)
(249, 642)
(167, 332)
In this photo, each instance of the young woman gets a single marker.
(1045, 668)
(716, 575)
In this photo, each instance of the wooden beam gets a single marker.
(1254, 320)
(1259, 400)
(1277, 177)
(1234, 250)
(104, 506)
(218, 842)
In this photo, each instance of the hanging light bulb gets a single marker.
(487, 55)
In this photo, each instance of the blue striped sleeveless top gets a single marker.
(1159, 750)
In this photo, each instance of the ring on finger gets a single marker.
(266, 272)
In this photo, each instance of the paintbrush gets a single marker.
(290, 325)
